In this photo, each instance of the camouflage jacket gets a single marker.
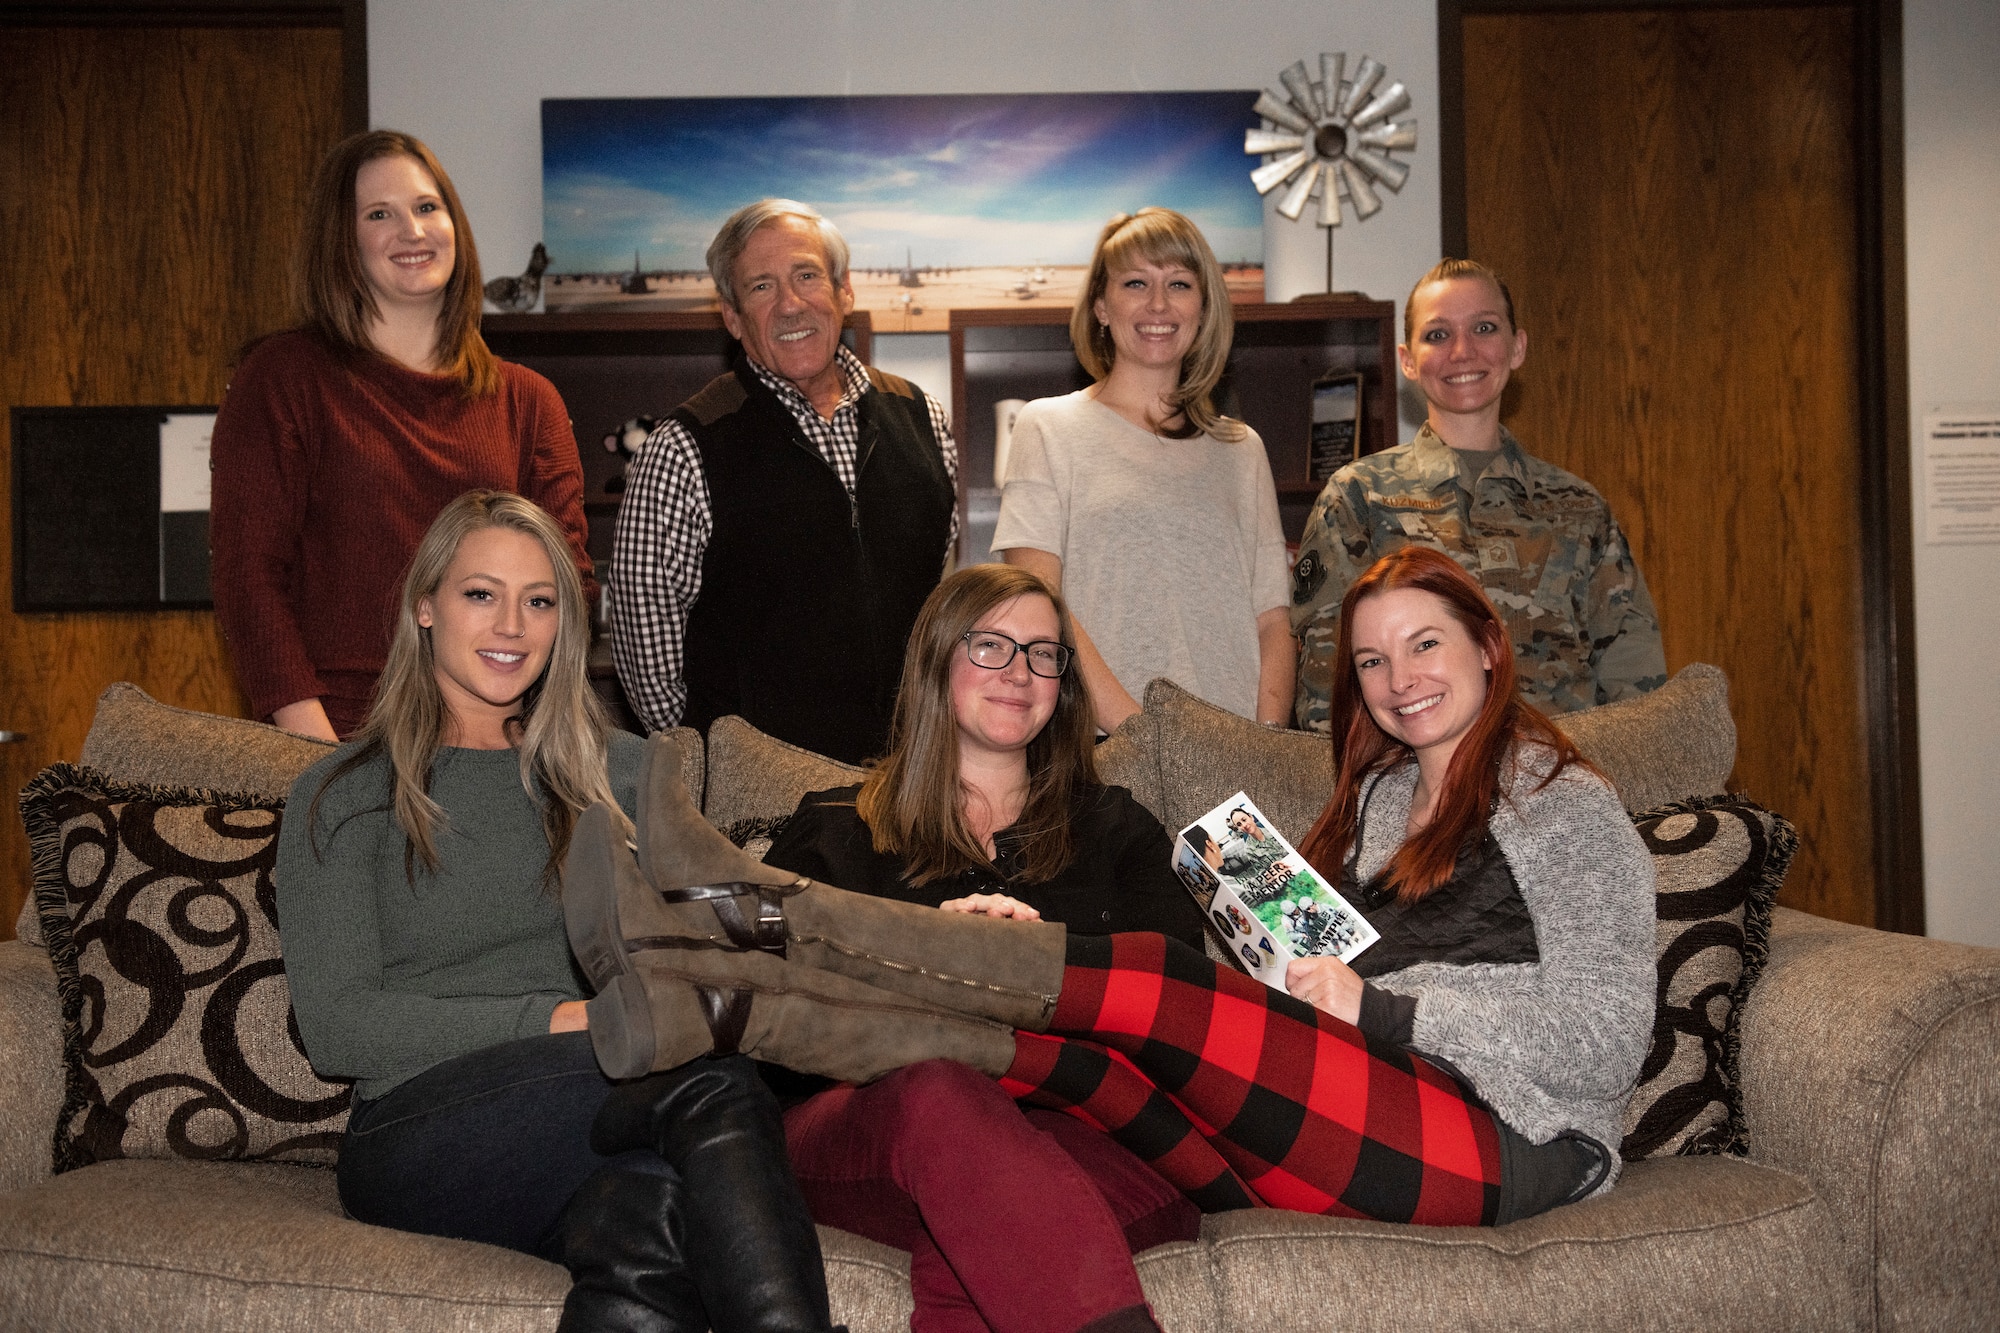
(1245, 858)
(1541, 541)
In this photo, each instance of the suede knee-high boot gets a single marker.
(677, 1004)
(751, 1249)
(665, 998)
(716, 893)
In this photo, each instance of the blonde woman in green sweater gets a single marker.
(424, 943)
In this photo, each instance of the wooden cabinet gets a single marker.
(1279, 350)
(612, 366)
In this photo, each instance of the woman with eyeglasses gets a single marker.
(989, 803)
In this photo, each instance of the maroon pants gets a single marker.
(1242, 1095)
(1014, 1222)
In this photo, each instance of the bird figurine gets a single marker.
(517, 295)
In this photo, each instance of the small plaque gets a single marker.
(1336, 425)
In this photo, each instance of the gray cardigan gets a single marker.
(1555, 1044)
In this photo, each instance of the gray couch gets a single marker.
(1870, 1067)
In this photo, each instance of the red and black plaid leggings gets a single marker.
(1243, 1096)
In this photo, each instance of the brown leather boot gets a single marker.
(675, 1004)
(718, 894)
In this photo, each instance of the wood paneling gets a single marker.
(151, 182)
(1672, 195)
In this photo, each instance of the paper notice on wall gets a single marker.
(184, 477)
(184, 461)
(1962, 477)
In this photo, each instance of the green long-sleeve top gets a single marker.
(390, 977)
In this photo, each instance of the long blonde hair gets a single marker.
(562, 727)
(1162, 236)
(911, 800)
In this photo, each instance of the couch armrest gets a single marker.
(1871, 1066)
(31, 1067)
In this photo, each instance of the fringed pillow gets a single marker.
(1720, 862)
(178, 1036)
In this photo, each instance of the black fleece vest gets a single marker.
(1476, 916)
(807, 599)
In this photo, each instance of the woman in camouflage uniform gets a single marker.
(1541, 541)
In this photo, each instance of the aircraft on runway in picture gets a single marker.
(635, 283)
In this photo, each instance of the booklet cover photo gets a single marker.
(1267, 904)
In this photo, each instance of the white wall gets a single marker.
(1951, 80)
(468, 78)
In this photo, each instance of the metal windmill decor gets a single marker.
(1332, 136)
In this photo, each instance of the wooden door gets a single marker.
(1672, 194)
(151, 183)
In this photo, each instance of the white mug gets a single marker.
(1004, 413)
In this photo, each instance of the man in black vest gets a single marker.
(780, 531)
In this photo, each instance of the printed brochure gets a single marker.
(1265, 902)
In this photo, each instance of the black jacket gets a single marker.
(1121, 880)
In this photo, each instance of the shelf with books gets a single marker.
(1279, 352)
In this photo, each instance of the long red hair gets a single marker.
(1361, 747)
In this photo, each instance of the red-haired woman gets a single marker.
(1472, 1068)
(340, 440)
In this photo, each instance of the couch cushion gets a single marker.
(694, 761)
(1130, 758)
(1679, 741)
(246, 1248)
(160, 916)
(1207, 754)
(1710, 1242)
(755, 776)
(237, 1246)
(1720, 863)
(137, 738)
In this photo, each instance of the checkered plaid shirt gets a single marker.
(666, 521)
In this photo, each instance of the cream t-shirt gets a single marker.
(1170, 548)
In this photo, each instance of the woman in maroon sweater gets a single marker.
(340, 440)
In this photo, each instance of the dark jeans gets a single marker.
(690, 1219)
(488, 1146)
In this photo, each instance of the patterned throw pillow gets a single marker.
(178, 1035)
(756, 834)
(1720, 862)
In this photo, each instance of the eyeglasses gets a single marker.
(996, 651)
